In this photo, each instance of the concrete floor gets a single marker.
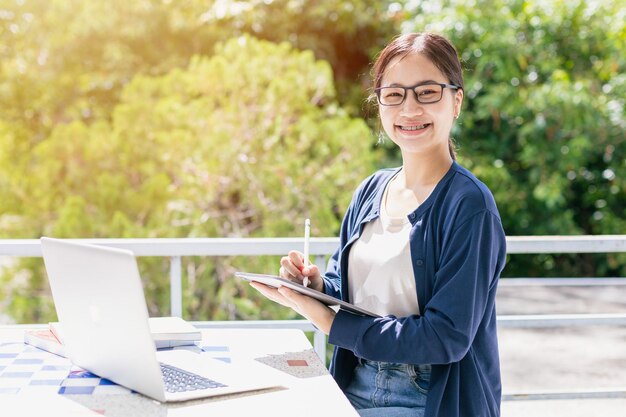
(607, 407)
(571, 359)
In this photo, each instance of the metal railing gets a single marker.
(175, 248)
(320, 248)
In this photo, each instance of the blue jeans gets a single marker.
(384, 389)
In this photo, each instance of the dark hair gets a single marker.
(435, 47)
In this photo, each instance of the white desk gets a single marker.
(309, 390)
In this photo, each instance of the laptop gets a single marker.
(100, 303)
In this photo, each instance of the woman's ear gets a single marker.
(458, 102)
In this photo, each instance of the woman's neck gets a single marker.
(420, 172)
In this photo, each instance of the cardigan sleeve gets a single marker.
(464, 288)
(332, 278)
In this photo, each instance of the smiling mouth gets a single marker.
(414, 128)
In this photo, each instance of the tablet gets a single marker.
(276, 281)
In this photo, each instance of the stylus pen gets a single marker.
(307, 236)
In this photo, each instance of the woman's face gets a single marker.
(413, 126)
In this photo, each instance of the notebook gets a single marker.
(100, 303)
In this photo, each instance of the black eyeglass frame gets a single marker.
(412, 88)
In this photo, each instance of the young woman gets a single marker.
(421, 245)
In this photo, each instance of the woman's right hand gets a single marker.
(294, 268)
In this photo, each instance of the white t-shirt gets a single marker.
(380, 269)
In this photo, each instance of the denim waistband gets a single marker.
(391, 365)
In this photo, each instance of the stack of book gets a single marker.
(166, 332)
(46, 340)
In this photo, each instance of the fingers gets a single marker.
(291, 266)
(291, 297)
(272, 293)
(314, 311)
(315, 278)
(294, 269)
(281, 295)
(297, 258)
(311, 271)
(287, 272)
(299, 303)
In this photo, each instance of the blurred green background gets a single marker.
(163, 118)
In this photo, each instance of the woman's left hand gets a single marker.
(317, 313)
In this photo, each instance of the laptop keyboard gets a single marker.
(177, 380)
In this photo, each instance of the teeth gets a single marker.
(414, 127)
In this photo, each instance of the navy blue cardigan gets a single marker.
(458, 250)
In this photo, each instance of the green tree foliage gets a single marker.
(344, 33)
(544, 118)
(68, 60)
(220, 148)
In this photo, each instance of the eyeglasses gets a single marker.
(424, 93)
